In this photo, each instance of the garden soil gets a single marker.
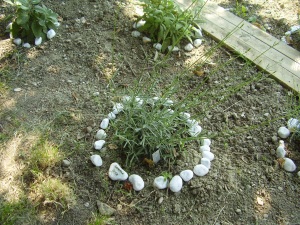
(66, 87)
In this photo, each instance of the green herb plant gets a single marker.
(166, 23)
(148, 124)
(31, 20)
(240, 9)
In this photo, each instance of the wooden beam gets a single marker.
(267, 52)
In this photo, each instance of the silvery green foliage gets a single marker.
(147, 125)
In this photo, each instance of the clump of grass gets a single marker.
(45, 154)
(14, 212)
(100, 220)
(54, 192)
(148, 124)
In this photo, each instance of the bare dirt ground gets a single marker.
(67, 87)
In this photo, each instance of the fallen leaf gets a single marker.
(199, 72)
(112, 147)
(149, 162)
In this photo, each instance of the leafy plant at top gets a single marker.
(32, 20)
(166, 23)
(150, 124)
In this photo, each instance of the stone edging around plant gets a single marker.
(116, 173)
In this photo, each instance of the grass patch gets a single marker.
(12, 213)
(100, 220)
(45, 154)
(52, 191)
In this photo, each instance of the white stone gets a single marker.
(186, 175)
(206, 141)
(157, 46)
(195, 130)
(208, 155)
(115, 172)
(146, 40)
(26, 45)
(200, 170)
(173, 49)
(192, 122)
(189, 47)
(204, 148)
(206, 162)
(293, 124)
(283, 132)
(137, 182)
(198, 33)
(96, 160)
(38, 41)
(280, 152)
(168, 102)
(104, 123)
(197, 42)
(176, 184)
(289, 165)
(98, 145)
(135, 33)
(185, 115)
(111, 116)
(295, 28)
(101, 134)
(51, 33)
(140, 23)
(17, 41)
(156, 156)
(118, 107)
(17, 89)
(160, 182)
(170, 111)
(57, 24)
(139, 101)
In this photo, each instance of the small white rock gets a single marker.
(111, 116)
(204, 148)
(206, 141)
(283, 132)
(101, 134)
(140, 23)
(195, 130)
(26, 45)
(98, 145)
(135, 33)
(192, 122)
(293, 124)
(185, 115)
(189, 47)
(168, 102)
(157, 46)
(137, 182)
(186, 175)
(96, 160)
(38, 41)
(295, 28)
(197, 42)
(146, 40)
(173, 49)
(115, 172)
(57, 24)
(208, 155)
(118, 107)
(280, 152)
(289, 165)
(17, 41)
(160, 182)
(104, 123)
(17, 89)
(198, 33)
(206, 162)
(50, 34)
(176, 184)
(200, 170)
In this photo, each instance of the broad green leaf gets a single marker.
(35, 2)
(37, 29)
(22, 18)
(9, 2)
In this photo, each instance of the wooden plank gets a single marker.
(269, 53)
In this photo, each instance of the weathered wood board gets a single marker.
(267, 52)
